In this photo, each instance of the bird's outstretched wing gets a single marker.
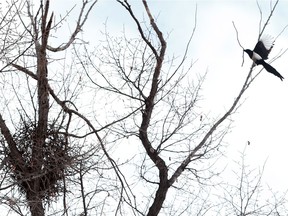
(264, 46)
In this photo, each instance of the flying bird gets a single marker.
(261, 52)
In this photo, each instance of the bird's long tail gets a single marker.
(270, 69)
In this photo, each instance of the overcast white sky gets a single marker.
(263, 117)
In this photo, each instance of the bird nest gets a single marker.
(44, 164)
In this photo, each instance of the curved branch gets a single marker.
(127, 6)
(79, 25)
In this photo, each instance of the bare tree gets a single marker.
(159, 108)
(38, 151)
(139, 126)
(248, 196)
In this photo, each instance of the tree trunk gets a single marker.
(35, 202)
(159, 199)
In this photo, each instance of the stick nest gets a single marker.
(44, 164)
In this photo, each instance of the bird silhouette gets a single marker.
(261, 52)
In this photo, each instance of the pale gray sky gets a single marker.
(262, 118)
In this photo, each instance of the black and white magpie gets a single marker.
(261, 52)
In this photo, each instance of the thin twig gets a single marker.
(267, 21)
(237, 36)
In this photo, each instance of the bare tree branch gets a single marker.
(83, 16)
